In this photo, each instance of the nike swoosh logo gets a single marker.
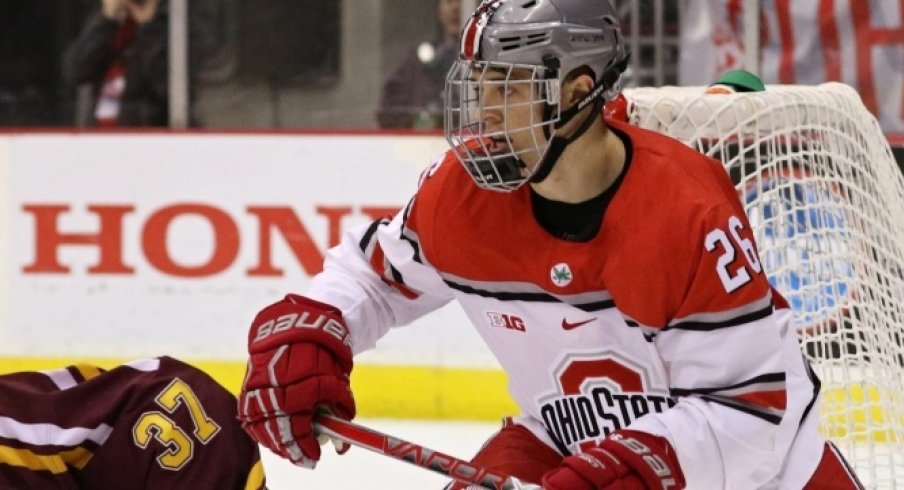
(571, 326)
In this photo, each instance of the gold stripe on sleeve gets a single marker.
(54, 463)
(255, 479)
(87, 371)
(35, 462)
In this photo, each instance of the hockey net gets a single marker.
(821, 188)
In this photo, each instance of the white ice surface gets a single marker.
(361, 469)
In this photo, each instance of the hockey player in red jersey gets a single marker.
(651, 352)
(154, 424)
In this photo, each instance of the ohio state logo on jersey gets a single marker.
(597, 394)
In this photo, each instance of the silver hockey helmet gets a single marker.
(511, 47)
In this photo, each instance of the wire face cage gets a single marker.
(499, 118)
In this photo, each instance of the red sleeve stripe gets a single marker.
(401, 288)
(410, 235)
(368, 237)
(770, 399)
(379, 265)
(769, 415)
(763, 396)
(762, 382)
(390, 275)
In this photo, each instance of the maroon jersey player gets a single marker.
(150, 424)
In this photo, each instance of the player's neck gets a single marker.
(586, 168)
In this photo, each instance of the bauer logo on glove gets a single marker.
(288, 321)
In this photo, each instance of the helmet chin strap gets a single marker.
(558, 144)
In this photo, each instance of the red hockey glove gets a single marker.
(626, 460)
(299, 363)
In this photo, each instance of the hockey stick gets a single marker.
(415, 454)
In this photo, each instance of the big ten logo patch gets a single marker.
(505, 320)
(596, 395)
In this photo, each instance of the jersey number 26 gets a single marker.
(718, 238)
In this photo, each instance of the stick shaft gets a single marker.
(413, 453)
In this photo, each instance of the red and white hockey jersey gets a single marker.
(663, 322)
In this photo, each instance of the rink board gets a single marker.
(449, 393)
(191, 258)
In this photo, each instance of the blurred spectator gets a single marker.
(413, 96)
(122, 54)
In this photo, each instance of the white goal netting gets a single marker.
(826, 198)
